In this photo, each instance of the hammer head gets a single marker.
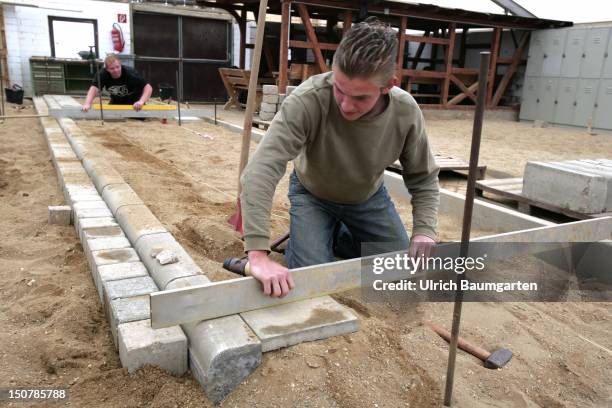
(498, 358)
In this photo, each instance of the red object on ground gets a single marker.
(236, 219)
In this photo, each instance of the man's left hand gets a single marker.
(138, 106)
(421, 245)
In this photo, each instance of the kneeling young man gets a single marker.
(342, 129)
(123, 84)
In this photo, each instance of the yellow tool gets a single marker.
(130, 107)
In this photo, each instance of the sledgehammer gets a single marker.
(496, 359)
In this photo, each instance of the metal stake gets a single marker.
(2, 88)
(178, 98)
(467, 220)
(93, 57)
(215, 102)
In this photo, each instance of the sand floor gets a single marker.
(55, 333)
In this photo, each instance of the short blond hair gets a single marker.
(110, 58)
(368, 49)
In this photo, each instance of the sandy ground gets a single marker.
(55, 333)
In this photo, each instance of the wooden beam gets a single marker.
(503, 84)
(269, 58)
(463, 88)
(464, 35)
(347, 22)
(283, 69)
(419, 52)
(421, 73)
(448, 61)
(472, 88)
(312, 37)
(400, 51)
(217, 299)
(427, 40)
(306, 44)
(465, 71)
(242, 25)
(493, 67)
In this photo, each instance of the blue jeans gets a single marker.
(320, 229)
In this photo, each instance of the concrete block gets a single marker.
(267, 107)
(125, 288)
(79, 216)
(138, 220)
(115, 272)
(578, 188)
(281, 98)
(78, 198)
(90, 204)
(290, 88)
(108, 257)
(98, 244)
(59, 214)
(101, 173)
(270, 90)
(118, 195)
(181, 283)
(164, 274)
(86, 223)
(140, 345)
(127, 310)
(106, 231)
(296, 322)
(272, 99)
(266, 115)
(222, 353)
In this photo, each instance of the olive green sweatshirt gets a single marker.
(339, 160)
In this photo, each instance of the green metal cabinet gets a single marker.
(61, 76)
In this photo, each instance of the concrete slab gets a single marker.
(98, 244)
(104, 231)
(90, 204)
(138, 220)
(270, 89)
(127, 310)
(222, 353)
(140, 345)
(115, 272)
(272, 98)
(102, 174)
(568, 186)
(188, 281)
(164, 274)
(125, 288)
(306, 320)
(118, 195)
(60, 214)
(267, 107)
(263, 115)
(79, 198)
(108, 257)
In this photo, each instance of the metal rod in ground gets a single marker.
(215, 102)
(467, 220)
(2, 88)
(99, 89)
(178, 98)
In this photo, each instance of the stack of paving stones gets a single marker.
(584, 186)
(119, 234)
(269, 103)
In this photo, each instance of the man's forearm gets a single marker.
(91, 94)
(146, 93)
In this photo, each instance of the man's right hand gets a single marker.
(275, 278)
(86, 107)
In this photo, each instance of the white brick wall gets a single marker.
(27, 31)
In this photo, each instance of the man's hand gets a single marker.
(275, 278)
(421, 245)
(138, 105)
(86, 107)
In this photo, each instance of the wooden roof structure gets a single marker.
(438, 24)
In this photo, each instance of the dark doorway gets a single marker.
(195, 47)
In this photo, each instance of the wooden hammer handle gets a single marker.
(462, 344)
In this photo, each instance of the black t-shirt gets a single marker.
(125, 90)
